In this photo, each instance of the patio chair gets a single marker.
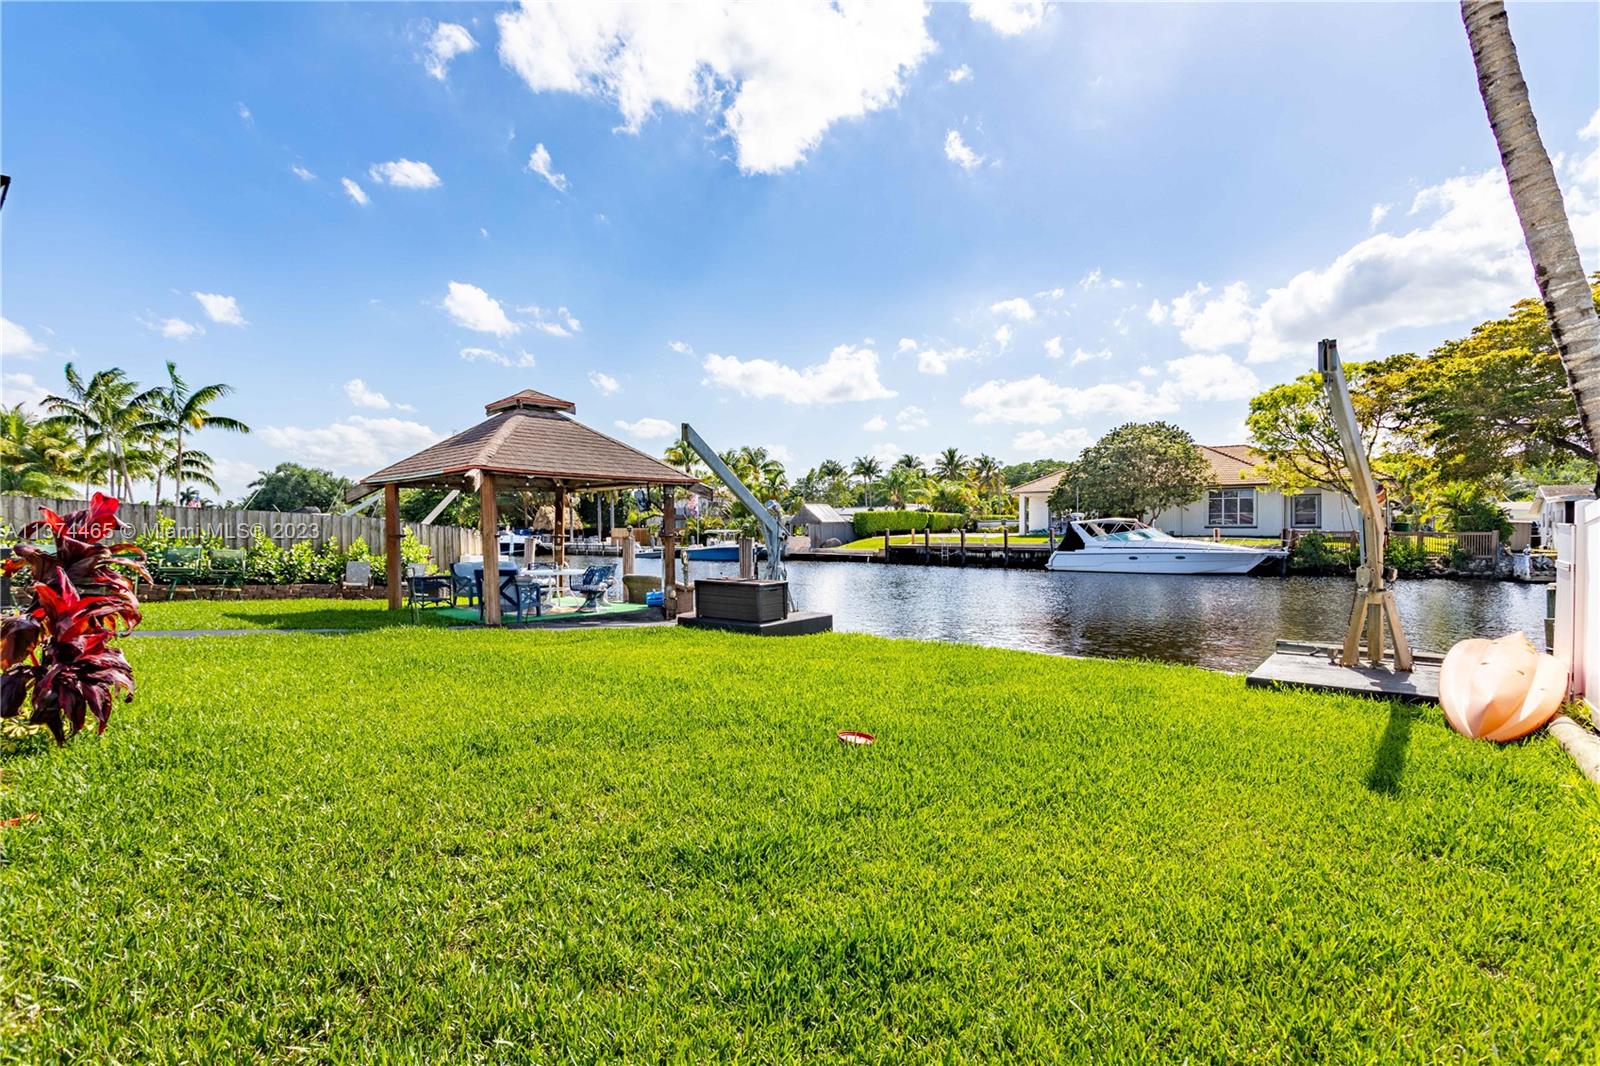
(464, 575)
(357, 575)
(177, 564)
(227, 568)
(595, 583)
(520, 595)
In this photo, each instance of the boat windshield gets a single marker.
(1125, 531)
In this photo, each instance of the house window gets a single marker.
(1305, 510)
(1231, 507)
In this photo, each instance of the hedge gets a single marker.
(868, 523)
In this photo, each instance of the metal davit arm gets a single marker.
(1374, 602)
(771, 526)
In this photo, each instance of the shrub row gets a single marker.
(266, 563)
(869, 523)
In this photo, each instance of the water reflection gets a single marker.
(1226, 623)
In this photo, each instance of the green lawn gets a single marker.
(281, 614)
(435, 845)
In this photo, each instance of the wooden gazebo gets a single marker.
(529, 441)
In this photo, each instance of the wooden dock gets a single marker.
(1311, 666)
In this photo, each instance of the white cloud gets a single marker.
(1052, 348)
(957, 75)
(910, 419)
(848, 374)
(360, 395)
(557, 323)
(956, 150)
(474, 309)
(219, 308)
(1053, 294)
(875, 424)
(539, 163)
(1008, 17)
(355, 192)
(175, 328)
(489, 355)
(1379, 213)
(14, 340)
(1017, 307)
(448, 41)
(680, 347)
(1463, 260)
(1209, 377)
(356, 445)
(1003, 335)
(1157, 313)
(1207, 325)
(1148, 371)
(1090, 280)
(301, 172)
(778, 75)
(648, 429)
(1080, 356)
(604, 382)
(1063, 445)
(18, 388)
(1591, 130)
(1038, 401)
(404, 174)
(936, 360)
(244, 114)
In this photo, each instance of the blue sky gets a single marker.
(831, 232)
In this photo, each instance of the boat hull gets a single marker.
(1135, 561)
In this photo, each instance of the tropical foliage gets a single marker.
(1487, 414)
(59, 651)
(870, 523)
(292, 487)
(108, 430)
(1136, 471)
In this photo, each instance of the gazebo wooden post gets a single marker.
(669, 552)
(560, 533)
(489, 527)
(392, 538)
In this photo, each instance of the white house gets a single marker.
(1239, 502)
(1554, 505)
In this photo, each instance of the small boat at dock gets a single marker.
(1128, 546)
(719, 546)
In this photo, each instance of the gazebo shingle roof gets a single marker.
(530, 436)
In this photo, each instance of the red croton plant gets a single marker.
(60, 649)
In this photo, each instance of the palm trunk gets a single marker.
(177, 474)
(1537, 196)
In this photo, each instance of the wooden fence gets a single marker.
(446, 544)
(1476, 545)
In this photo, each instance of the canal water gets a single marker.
(1225, 623)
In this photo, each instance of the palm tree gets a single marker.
(78, 409)
(176, 408)
(911, 462)
(867, 470)
(950, 466)
(680, 455)
(988, 475)
(37, 456)
(1537, 196)
(904, 484)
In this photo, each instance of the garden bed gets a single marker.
(450, 845)
(263, 592)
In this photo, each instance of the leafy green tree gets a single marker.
(986, 476)
(905, 484)
(1498, 399)
(1137, 470)
(952, 497)
(1467, 507)
(290, 487)
(1018, 473)
(1292, 426)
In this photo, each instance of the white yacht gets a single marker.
(1128, 546)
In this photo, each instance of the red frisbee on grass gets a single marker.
(855, 737)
